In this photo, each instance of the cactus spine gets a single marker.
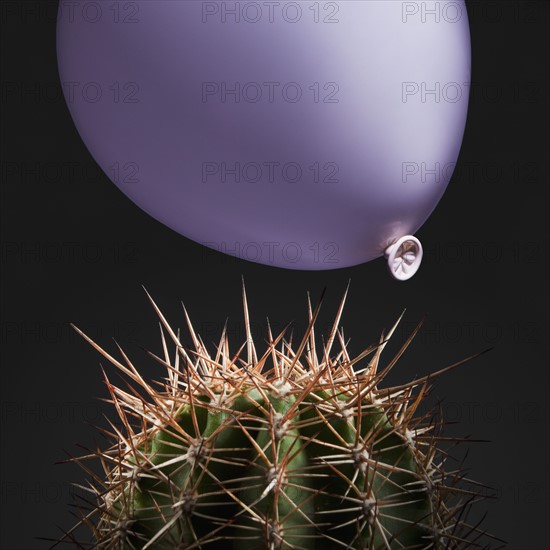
(287, 450)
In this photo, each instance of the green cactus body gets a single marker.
(277, 474)
(282, 452)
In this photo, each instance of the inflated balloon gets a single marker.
(306, 135)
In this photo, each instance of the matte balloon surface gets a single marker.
(305, 135)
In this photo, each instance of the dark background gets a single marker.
(74, 249)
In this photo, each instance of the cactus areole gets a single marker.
(288, 450)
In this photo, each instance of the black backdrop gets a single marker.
(74, 249)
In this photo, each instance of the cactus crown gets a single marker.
(288, 450)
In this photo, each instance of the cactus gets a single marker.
(288, 450)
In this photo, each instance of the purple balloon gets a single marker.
(305, 135)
